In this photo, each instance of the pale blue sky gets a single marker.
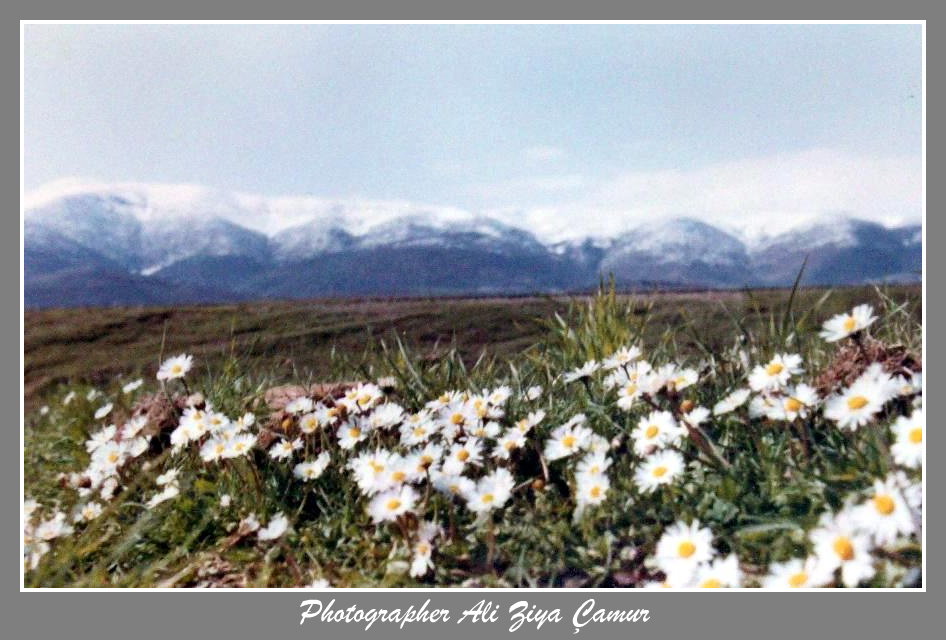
(470, 116)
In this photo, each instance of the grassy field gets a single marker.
(763, 486)
(297, 339)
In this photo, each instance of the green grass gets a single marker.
(768, 489)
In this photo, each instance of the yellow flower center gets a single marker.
(651, 432)
(425, 460)
(884, 504)
(463, 455)
(457, 418)
(630, 389)
(797, 579)
(418, 432)
(686, 549)
(843, 547)
(333, 412)
(393, 504)
(487, 498)
(398, 476)
(510, 445)
(354, 432)
(220, 448)
(176, 369)
(856, 402)
(916, 435)
(792, 404)
(423, 548)
(364, 399)
(113, 457)
(658, 472)
(595, 491)
(712, 583)
(378, 468)
(849, 324)
(444, 398)
(774, 368)
(568, 442)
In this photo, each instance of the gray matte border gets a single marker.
(277, 614)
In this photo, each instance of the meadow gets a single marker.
(682, 440)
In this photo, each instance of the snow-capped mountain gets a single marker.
(680, 251)
(136, 244)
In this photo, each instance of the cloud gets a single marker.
(752, 197)
(544, 153)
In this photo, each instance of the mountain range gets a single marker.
(99, 247)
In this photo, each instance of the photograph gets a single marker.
(473, 305)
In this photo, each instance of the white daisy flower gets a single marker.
(463, 454)
(351, 433)
(721, 573)
(499, 395)
(657, 430)
(776, 373)
(314, 468)
(798, 574)
(682, 548)
(622, 357)
(489, 430)
(309, 423)
(731, 402)
(839, 543)
(908, 449)
(285, 448)
(525, 425)
(103, 411)
(421, 560)
(87, 512)
(590, 490)
(490, 492)
(170, 491)
(386, 415)
(428, 459)
(370, 471)
(100, 437)
(582, 372)
(885, 515)
(661, 468)
(302, 404)
(239, 445)
(845, 324)
(176, 367)
(511, 440)
(683, 378)
(132, 386)
(568, 439)
(362, 398)
(533, 393)
(858, 404)
(593, 464)
(53, 528)
(452, 484)
(319, 584)
(391, 504)
(213, 449)
(167, 477)
(628, 393)
(276, 528)
(797, 402)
